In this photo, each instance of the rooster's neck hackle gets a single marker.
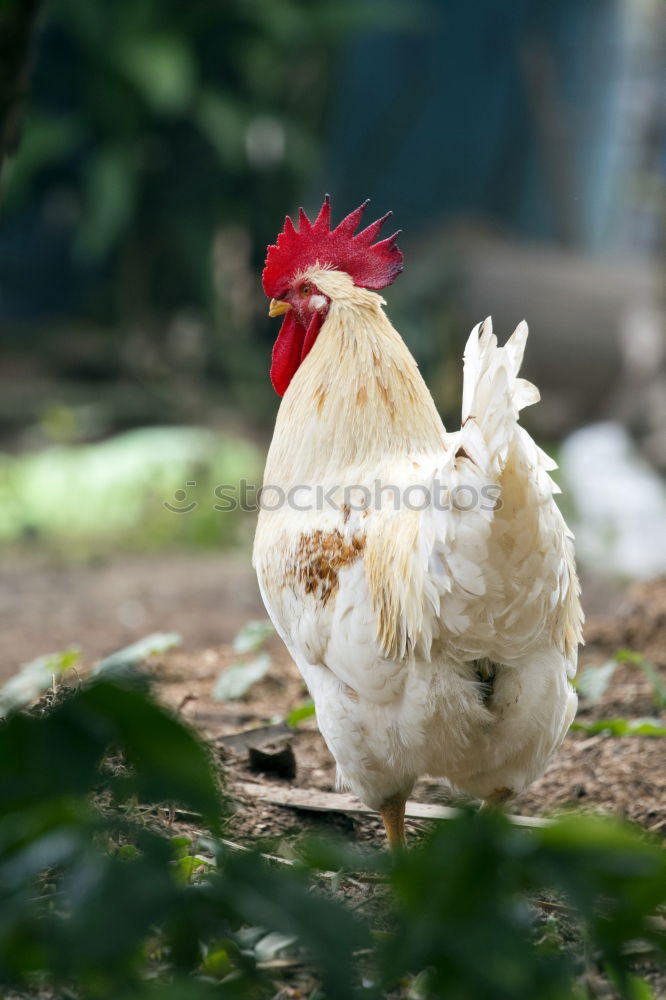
(358, 400)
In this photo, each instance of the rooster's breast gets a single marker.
(313, 578)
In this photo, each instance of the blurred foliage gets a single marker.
(99, 899)
(657, 686)
(253, 635)
(34, 678)
(236, 680)
(622, 727)
(592, 683)
(124, 662)
(301, 713)
(163, 144)
(17, 27)
(144, 489)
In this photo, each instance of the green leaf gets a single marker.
(163, 70)
(658, 686)
(640, 989)
(629, 656)
(623, 727)
(593, 682)
(128, 852)
(274, 945)
(123, 660)
(217, 962)
(42, 759)
(47, 139)
(111, 178)
(181, 846)
(253, 635)
(186, 867)
(35, 678)
(236, 680)
(650, 671)
(297, 715)
(419, 988)
(223, 124)
(169, 761)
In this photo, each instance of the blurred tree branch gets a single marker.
(156, 130)
(18, 22)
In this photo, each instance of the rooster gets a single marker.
(423, 581)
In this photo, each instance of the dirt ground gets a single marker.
(46, 606)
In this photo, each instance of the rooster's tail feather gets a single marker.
(493, 395)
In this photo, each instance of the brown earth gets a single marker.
(46, 606)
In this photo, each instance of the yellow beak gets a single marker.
(278, 306)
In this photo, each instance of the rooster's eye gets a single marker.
(305, 289)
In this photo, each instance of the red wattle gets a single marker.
(311, 335)
(287, 351)
(292, 346)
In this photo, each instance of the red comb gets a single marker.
(368, 265)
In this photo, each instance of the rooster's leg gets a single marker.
(392, 812)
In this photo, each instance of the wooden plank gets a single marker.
(259, 737)
(313, 800)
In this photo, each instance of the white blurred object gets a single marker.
(265, 141)
(641, 338)
(620, 500)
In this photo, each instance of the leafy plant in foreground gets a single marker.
(98, 897)
(463, 910)
(94, 896)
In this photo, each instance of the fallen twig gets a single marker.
(241, 849)
(359, 880)
(259, 737)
